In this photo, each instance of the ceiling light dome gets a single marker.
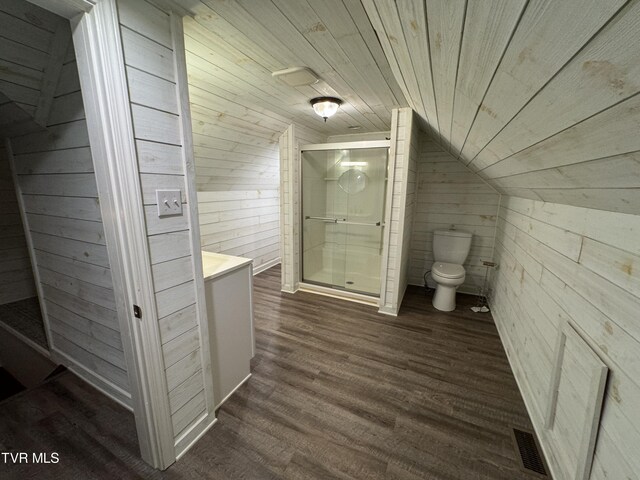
(326, 106)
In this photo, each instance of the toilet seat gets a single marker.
(448, 270)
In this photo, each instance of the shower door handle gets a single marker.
(369, 224)
(324, 219)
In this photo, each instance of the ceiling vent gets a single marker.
(297, 76)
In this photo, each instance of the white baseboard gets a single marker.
(38, 348)
(386, 310)
(533, 413)
(266, 266)
(232, 392)
(194, 433)
(101, 384)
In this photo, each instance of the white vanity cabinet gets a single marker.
(228, 292)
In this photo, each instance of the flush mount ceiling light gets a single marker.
(297, 76)
(325, 106)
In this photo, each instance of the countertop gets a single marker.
(217, 264)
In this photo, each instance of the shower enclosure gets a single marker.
(343, 209)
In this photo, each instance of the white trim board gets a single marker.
(194, 434)
(27, 233)
(98, 382)
(182, 90)
(233, 391)
(100, 60)
(38, 348)
(528, 401)
(346, 145)
(595, 372)
(266, 266)
(391, 168)
(66, 8)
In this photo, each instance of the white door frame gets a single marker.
(100, 59)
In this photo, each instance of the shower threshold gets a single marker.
(339, 293)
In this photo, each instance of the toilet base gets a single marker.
(445, 298)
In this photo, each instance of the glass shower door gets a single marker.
(343, 200)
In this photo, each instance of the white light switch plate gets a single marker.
(169, 202)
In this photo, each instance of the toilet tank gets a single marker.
(451, 246)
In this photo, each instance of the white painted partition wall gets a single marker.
(289, 224)
(410, 204)
(562, 263)
(133, 76)
(153, 48)
(401, 187)
(290, 142)
(57, 189)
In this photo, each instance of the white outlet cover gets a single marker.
(169, 202)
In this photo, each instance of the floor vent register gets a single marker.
(528, 452)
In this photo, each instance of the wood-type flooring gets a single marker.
(338, 391)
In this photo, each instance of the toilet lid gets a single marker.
(448, 270)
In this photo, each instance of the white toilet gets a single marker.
(450, 250)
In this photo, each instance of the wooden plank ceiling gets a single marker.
(33, 45)
(247, 40)
(540, 97)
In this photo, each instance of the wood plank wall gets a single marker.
(402, 176)
(451, 194)
(58, 187)
(236, 154)
(411, 197)
(16, 275)
(150, 61)
(290, 142)
(562, 263)
(290, 275)
(237, 160)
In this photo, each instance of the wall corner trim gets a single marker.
(388, 310)
(182, 84)
(100, 58)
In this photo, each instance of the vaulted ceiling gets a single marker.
(33, 46)
(238, 44)
(539, 97)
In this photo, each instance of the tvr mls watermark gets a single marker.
(25, 457)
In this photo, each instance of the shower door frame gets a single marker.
(332, 290)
